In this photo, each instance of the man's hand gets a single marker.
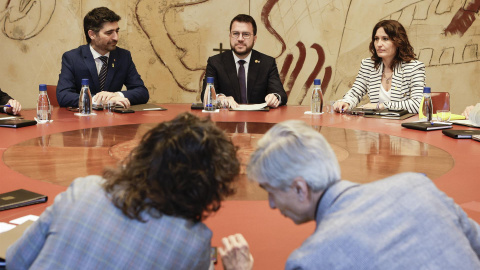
(16, 107)
(124, 102)
(227, 101)
(466, 113)
(272, 101)
(103, 97)
(236, 253)
(341, 106)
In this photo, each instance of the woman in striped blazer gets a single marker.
(392, 77)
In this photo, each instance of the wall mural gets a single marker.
(171, 41)
(24, 19)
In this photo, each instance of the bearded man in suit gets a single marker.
(244, 75)
(107, 67)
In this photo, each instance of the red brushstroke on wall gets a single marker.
(463, 19)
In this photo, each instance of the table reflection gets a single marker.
(363, 156)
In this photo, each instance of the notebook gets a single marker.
(461, 134)
(19, 198)
(17, 123)
(426, 126)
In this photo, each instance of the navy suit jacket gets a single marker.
(79, 64)
(4, 98)
(262, 79)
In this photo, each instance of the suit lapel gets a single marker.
(231, 70)
(253, 69)
(92, 68)
(111, 68)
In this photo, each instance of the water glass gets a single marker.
(108, 107)
(443, 115)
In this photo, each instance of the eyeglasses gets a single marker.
(246, 35)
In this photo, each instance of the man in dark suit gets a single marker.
(243, 75)
(87, 62)
(15, 106)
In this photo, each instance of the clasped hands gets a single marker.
(104, 97)
(229, 102)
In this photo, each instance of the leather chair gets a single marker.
(52, 95)
(441, 101)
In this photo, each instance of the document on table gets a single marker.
(467, 123)
(250, 107)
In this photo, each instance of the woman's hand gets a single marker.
(341, 106)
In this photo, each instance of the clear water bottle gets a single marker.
(44, 112)
(317, 98)
(427, 106)
(210, 96)
(85, 99)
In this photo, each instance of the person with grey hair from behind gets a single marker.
(400, 222)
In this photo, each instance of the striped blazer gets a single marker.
(408, 81)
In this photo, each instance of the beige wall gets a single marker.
(171, 40)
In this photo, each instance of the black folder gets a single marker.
(461, 134)
(17, 123)
(426, 126)
(19, 198)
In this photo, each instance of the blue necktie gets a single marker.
(242, 82)
(102, 76)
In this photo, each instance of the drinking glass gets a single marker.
(108, 107)
(443, 115)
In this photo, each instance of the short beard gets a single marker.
(241, 54)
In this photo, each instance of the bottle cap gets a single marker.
(209, 79)
(43, 87)
(426, 90)
(84, 81)
(316, 82)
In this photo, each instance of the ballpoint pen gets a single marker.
(7, 105)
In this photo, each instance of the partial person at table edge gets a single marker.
(392, 77)
(469, 109)
(107, 67)
(14, 107)
(400, 222)
(243, 75)
(147, 213)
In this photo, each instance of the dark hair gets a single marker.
(95, 19)
(184, 168)
(246, 19)
(398, 35)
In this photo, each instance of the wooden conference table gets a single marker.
(46, 158)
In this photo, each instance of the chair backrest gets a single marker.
(52, 95)
(441, 101)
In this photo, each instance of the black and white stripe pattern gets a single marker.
(102, 76)
(406, 90)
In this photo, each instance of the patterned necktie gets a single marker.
(102, 76)
(242, 82)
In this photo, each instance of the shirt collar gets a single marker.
(96, 54)
(246, 59)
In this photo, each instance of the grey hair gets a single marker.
(291, 149)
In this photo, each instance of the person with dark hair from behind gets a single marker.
(145, 214)
(14, 106)
(244, 75)
(400, 222)
(392, 77)
(107, 67)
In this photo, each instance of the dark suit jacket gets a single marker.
(79, 64)
(4, 98)
(262, 79)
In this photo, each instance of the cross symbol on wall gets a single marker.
(220, 50)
